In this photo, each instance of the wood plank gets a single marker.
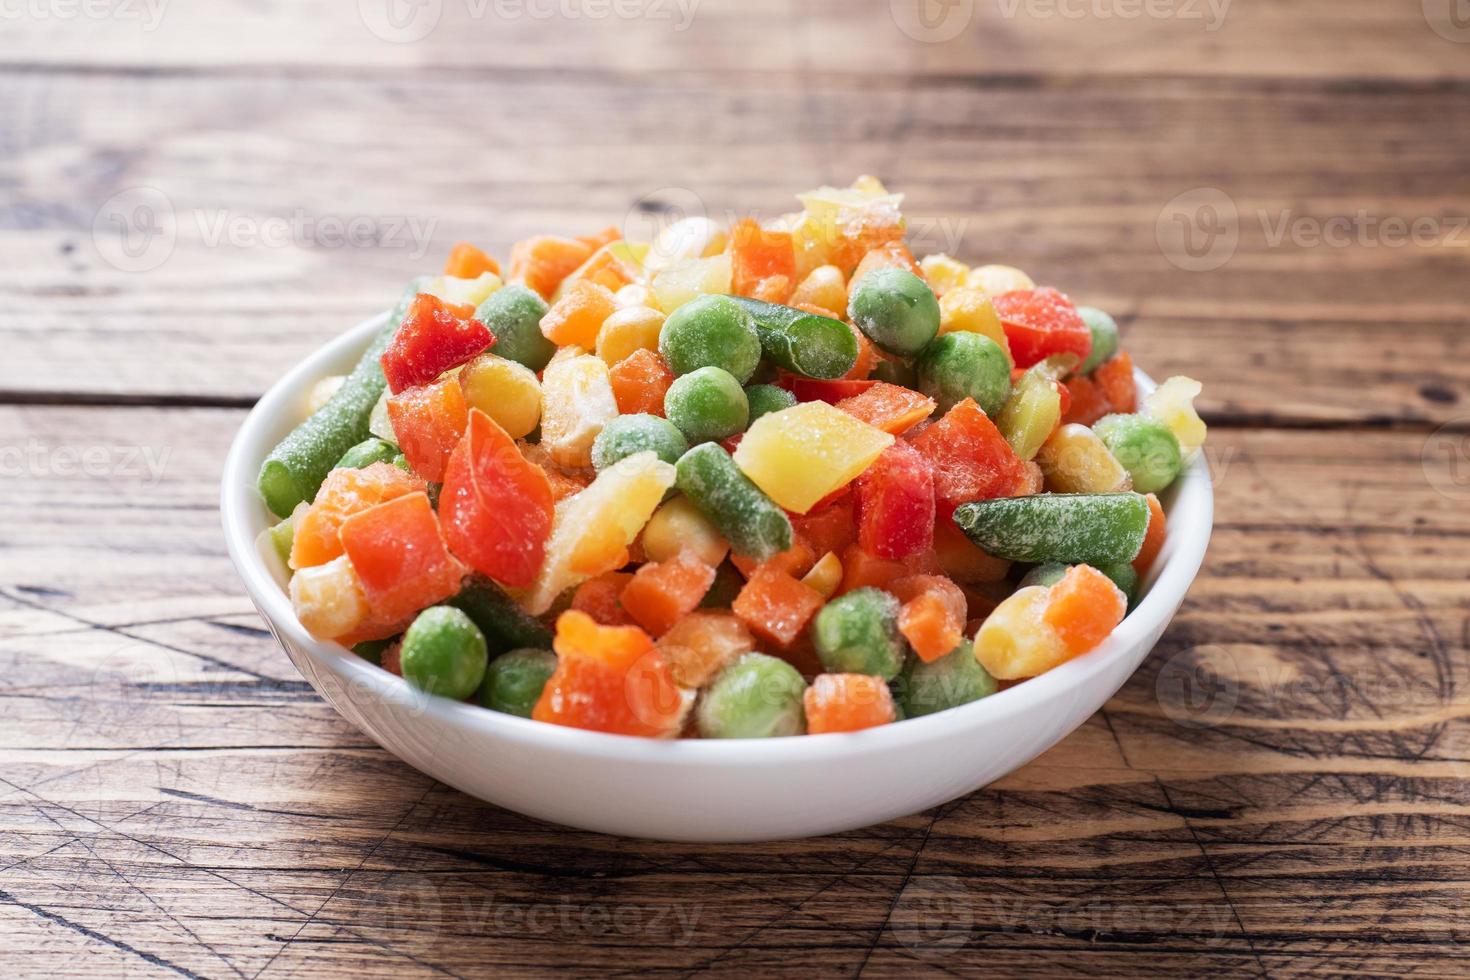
(1296, 39)
(1281, 787)
(1068, 181)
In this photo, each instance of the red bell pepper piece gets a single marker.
(496, 506)
(429, 421)
(432, 338)
(895, 503)
(971, 459)
(1041, 322)
(831, 392)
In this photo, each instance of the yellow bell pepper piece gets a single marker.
(801, 454)
(1172, 403)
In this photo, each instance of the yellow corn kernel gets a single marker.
(504, 390)
(825, 575)
(966, 308)
(1172, 403)
(943, 273)
(328, 599)
(678, 525)
(576, 402)
(678, 284)
(801, 454)
(633, 294)
(826, 287)
(322, 392)
(1075, 460)
(1015, 641)
(997, 279)
(627, 330)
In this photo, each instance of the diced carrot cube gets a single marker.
(1083, 607)
(400, 556)
(1153, 537)
(609, 679)
(663, 591)
(639, 382)
(544, 261)
(1114, 378)
(429, 420)
(933, 615)
(757, 255)
(598, 597)
(847, 703)
(776, 606)
(468, 262)
(606, 236)
(344, 492)
(867, 358)
(861, 569)
(700, 645)
(794, 561)
(892, 408)
(575, 319)
(1086, 402)
(962, 560)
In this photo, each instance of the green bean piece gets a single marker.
(765, 399)
(1145, 447)
(1125, 577)
(295, 469)
(505, 624)
(711, 331)
(1047, 574)
(857, 633)
(748, 519)
(1075, 528)
(366, 453)
(513, 315)
(707, 405)
(755, 697)
(954, 679)
(896, 310)
(1104, 337)
(372, 650)
(961, 365)
(444, 653)
(629, 434)
(514, 680)
(804, 343)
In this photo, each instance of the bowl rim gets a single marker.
(244, 515)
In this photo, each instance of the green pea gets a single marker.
(1145, 447)
(366, 453)
(505, 624)
(804, 343)
(1125, 577)
(899, 373)
(954, 679)
(1104, 337)
(1075, 528)
(629, 434)
(707, 405)
(513, 314)
(755, 697)
(857, 633)
(444, 653)
(765, 399)
(514, 680)
(711, 331)
(962, 364)
(728, 583)
(1046, 574)
(748, 519)
(896, 310)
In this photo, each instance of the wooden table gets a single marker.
(1280, 790)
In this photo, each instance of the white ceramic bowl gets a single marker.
(694, 790)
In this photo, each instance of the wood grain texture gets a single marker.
(1283, 788)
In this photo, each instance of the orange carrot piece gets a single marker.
(663, 591)
(892, 408)
(757, 255)
(468, 262)
(544, 261)
(926, 623)
(1114, 379)
(344, 493)
(847, 703)
(399, 554)
(1086, 402)
(776, 606)
(795, 561)
(609, 679)
(1153, 537)
(1083, 607)
(429, 420)
(639, 383)
(700, 645)
(575, 319)
(598, 598)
